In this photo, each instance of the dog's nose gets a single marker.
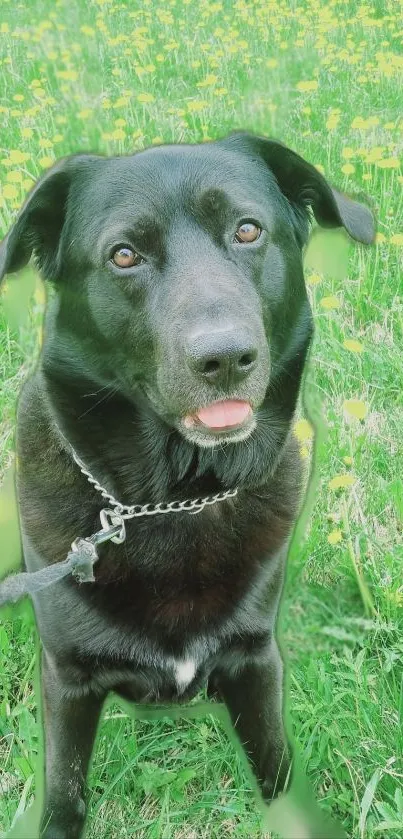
(224, 358)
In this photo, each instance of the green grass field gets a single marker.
(326, 79)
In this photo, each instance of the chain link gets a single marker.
(192, 506)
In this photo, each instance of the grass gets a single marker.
(326, 80)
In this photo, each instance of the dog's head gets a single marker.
(178, 276)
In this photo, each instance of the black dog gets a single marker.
(173, 353)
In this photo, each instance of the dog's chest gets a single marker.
(176, 581)
(184, 672)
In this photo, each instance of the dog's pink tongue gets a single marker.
(221, 414)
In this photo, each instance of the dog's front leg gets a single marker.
(254, 699)
(70, 727)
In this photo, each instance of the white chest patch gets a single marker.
(184, 672)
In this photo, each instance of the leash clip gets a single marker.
(110, 519)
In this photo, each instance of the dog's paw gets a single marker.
(62, 823)
(276, 779)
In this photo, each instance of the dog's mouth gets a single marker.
(219, 418)
(226, 421)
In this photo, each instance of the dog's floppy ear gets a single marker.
(304, 186)
(38, 226)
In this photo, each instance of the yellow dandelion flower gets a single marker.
(379, 238)
(320, 168)
(18, 97)
(271, 63)
(314, 279)
(27, 184)
(348, 169)
(331, 302)
(45, 162)
(85, 113)
(27, 133)
(39, 92)
(17, 156)
(196, 105)
(303, 430)
(145, 97)
(210, 79)
(396, 239)
(120, 123)
(360, 123)
(14, 177)
(342, 481)
(355, 408)
(118, 134)
(332, 122)
(122, 102)
(44, 143)
(157, 140)
(354, 346)
(57, 138)
(307, 86)
(388, 163)
(334, 537)
(10, 192)
(347, 153)
(375, 154)
(67, 75)
(87, 30)
(348, 460)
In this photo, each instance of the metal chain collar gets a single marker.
(113, 519)
(193, 506)
(83, 554)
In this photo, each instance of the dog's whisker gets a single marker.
(104, 399)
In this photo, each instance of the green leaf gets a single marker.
(367, 800)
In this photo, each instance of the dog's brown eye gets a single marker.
(125, 257)
(247, 232)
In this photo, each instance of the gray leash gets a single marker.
(83, 554)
